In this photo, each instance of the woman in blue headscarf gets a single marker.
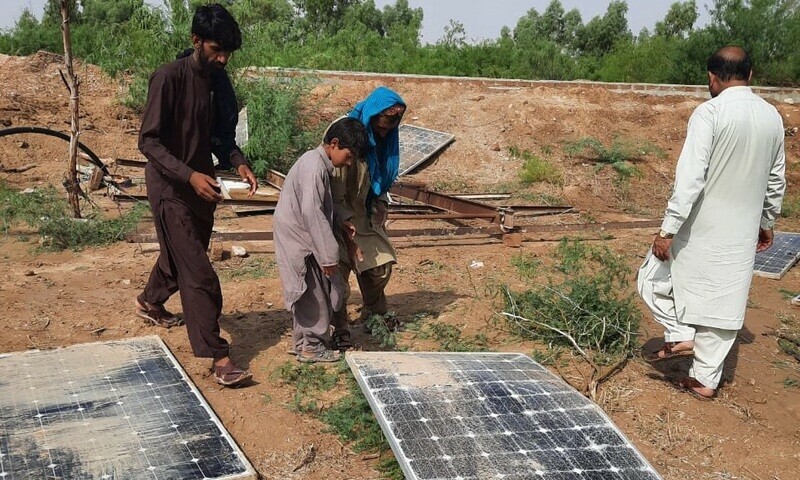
(362, 205)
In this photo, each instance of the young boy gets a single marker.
(304, 233)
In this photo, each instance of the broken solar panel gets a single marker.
(491, 416)
(780, 257)
(112, 410)
(418, 144)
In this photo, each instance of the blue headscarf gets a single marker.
(384, 163)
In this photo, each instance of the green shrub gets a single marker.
(350, 417)
(251, 269)
(535, 169)
(308, 380)
(383, 328)
(277, 132)
(527, 265)
(589, 304)
(50, 214)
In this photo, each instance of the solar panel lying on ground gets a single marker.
(418, 144)
(491, 416)
(780, 257)
(111, 410)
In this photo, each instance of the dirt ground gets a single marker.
(48, 300)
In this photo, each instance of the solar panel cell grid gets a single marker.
(452, 416)
(109, 410)
(418, 144)
(778, 259)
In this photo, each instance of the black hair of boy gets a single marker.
(351, 134)
(214, 23)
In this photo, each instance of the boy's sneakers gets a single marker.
(795, 301)
(321, 356)
(157, 314)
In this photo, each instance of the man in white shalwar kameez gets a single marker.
(729, 186)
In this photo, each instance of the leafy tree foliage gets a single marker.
(679, 21)
(133, 37)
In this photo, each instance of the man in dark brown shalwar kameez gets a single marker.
(183, 193)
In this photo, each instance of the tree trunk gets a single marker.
(71, 175)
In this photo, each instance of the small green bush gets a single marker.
(527, 265)
(589, 303)
(383, 328)
(251, 269)
(277, 133)
(351, 418)
(536, 169)
(308, 380)
(50, 214)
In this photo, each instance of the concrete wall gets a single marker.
(777, 94)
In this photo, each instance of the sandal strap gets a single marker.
(229, 373)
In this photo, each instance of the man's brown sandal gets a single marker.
(157, 315)
(667, 352)
(694, 387)
(230, 375)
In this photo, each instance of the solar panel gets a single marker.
(112, 410)
(242, 129)
(242, 134)
(780, 257)
(491, 416)
(418, 144)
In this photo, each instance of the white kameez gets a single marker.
(729, 182)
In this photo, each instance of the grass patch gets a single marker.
(536, 169)
(791, 206)
(350, 417)
(455, 185)
(451, 338)
(788, 294)
(251, 269)
(308, 380)
(620, 154)
(528, 266)
(49, 213)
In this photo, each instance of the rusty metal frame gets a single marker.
(528, 231)
(450, 207)
(466, 208)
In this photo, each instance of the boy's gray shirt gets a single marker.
(303, 224)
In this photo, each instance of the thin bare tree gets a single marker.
(72, 82)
